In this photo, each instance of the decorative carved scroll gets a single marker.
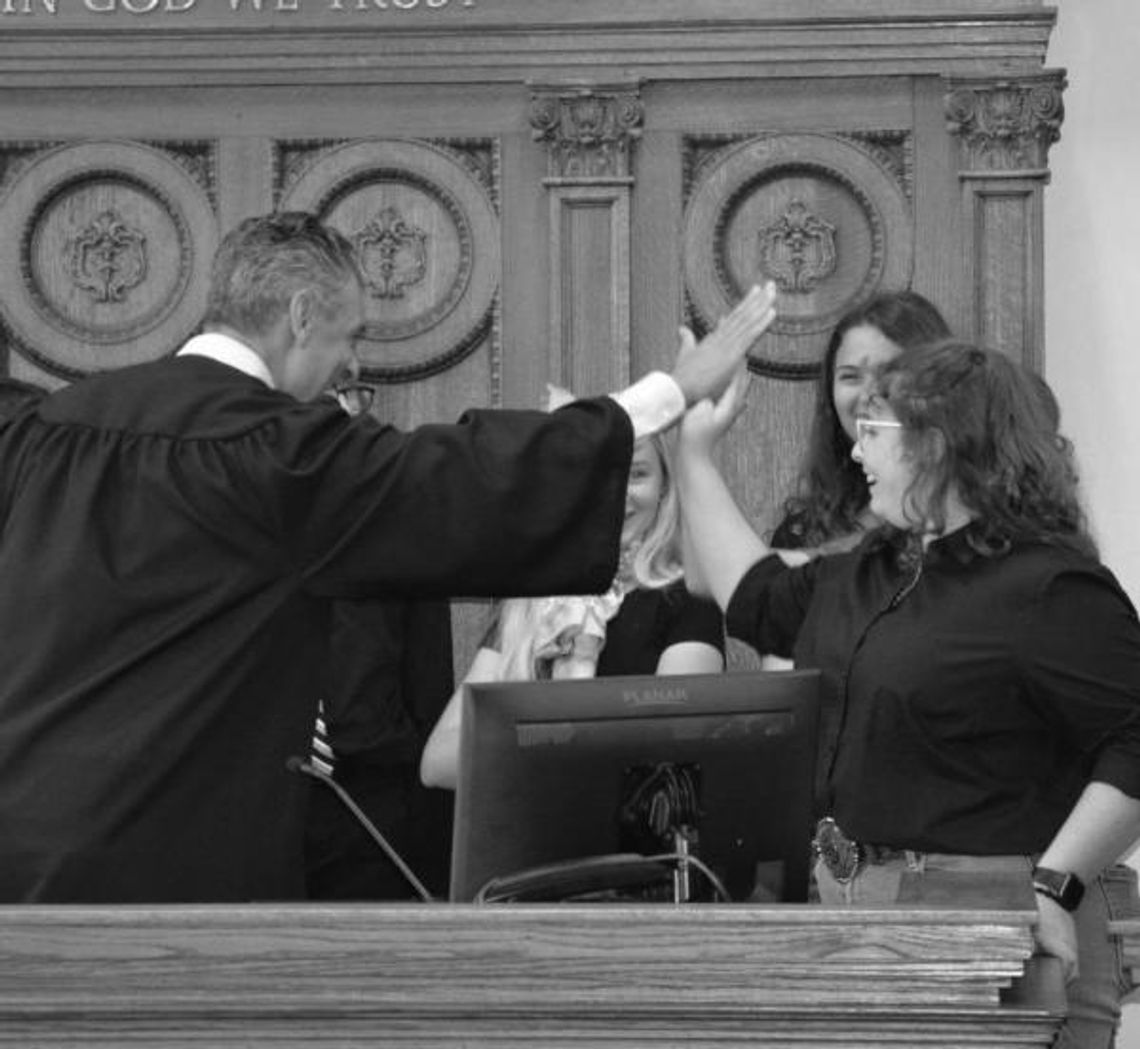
(589, 133)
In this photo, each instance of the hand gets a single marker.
(708, 421)
(1056, 934)
(705, 369)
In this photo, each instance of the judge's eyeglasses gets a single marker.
(355, 398)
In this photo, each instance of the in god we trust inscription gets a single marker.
(181, 7)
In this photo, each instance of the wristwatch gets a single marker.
(1065, 889)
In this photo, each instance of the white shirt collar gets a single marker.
(229, 351)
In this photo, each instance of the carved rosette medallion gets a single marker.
(817, 213)
(1006, 125)
(797, 250)
(588, 133)
(427, 238)
(110, 267)
(107, 258)
(393, 254)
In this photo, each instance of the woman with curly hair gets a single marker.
(646, 623)
(980, 666)
(828, 509)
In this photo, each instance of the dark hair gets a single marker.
(985, 426)
(262, 261)
(831, 491)
(16, 394)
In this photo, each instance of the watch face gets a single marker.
(1066, 889)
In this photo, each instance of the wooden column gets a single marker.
(1004, 130)
(589, 133)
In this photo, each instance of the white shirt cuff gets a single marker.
(653, 403)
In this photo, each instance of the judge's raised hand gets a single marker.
(707, 421)
(705, 369)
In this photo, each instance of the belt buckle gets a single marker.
(840, 855)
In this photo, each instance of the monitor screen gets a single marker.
(719, 766)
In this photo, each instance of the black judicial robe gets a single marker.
(171, 538)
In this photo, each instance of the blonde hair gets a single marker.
(654, 563)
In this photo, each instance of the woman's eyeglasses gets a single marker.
(864, 427)
(354, 398)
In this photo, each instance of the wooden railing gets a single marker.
(520, 975)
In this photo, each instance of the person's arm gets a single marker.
(691, 657)
(1102, 827)
(439, 764)
(720, 543)
(1080, 648)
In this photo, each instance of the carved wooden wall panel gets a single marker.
(427, 238)
(108, 251)
(819, 215)
(542, 190)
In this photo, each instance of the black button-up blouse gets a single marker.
(967, 698)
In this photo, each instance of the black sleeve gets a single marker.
(694, 619)
(501, 503)
(769, 604)
(1081, 653)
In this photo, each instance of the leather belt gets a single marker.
(843, 856)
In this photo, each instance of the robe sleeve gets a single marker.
(501, 503)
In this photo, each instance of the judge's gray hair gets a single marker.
(264, 260)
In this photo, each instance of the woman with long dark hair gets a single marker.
(829, 505)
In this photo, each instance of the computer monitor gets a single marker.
(608, 767)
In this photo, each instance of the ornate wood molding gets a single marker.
(1006, 125)
(147, 42)
(588, 132)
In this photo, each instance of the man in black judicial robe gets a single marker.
(172, 536)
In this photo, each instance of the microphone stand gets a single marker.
(296, 764)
